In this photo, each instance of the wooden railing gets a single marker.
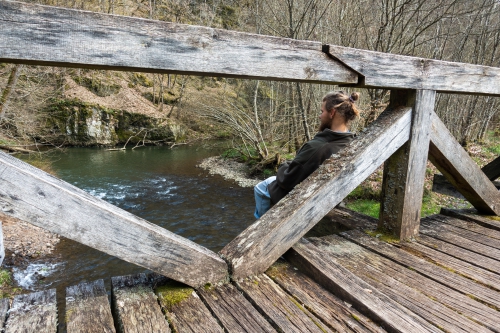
(405, 135)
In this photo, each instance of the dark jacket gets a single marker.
(307, 160)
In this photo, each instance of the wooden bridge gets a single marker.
(445, 278)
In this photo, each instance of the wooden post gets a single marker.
(258, 247)
(461, 171)
(404, 172)
(2, 247)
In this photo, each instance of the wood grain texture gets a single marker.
(35, 312)
(376, 271)
(341, 282)
(4, 308)
(262, 243)
(2, 247)
(461, 253)
(88, 309)
(286, 314)
(233, 310)
(396, 71)
(190, 315)
(135, 305)
(34, 34)
(431, 271)
(38, 198)
(468, 226)
(335, 313)
(404, 171)
(471, 215)
(461, 171)
(492, 169)
(457, 265)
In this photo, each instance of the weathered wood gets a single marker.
(443, 186)
(135, 305)
(461, 171)
(396, 71)
(185, 310)
(376, 271)
(352, 219)
(258, 247)
(404, 171)
(438, 232)
(285, 314)
(488, 221)
(35, 312)
(340, 281)
(233, 310)
(431, 271)
(437, 222)
(461, 253)
(41, 35)
(492, 169)
(2, 247)
(468, 226)
(450, 263)
(36, 197)
(332, 311)
(4, 308)
(88, 309)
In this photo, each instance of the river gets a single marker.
(159, 184)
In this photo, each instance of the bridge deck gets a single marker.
(448, 280)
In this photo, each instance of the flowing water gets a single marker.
(159, 184)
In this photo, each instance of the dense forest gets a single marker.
(264, 117)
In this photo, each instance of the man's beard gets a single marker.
(324, 126)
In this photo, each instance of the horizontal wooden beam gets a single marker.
(461, 171)
(385, 70)
(258, 247)
(42, 35)
(34, 196)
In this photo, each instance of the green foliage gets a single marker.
(364, 206)
(364, 192)
(141, 79)
(228, 17)
(173, 293)
(97, 86)
(5, 278)
(168, 98)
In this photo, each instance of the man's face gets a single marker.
(325, 118)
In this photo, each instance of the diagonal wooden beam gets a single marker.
(42, 35)
(384, 70)
(492, 169)
(404, 171)
(36, 197)
(461, 171)
(258, 247)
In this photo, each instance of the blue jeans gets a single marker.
(262, 197)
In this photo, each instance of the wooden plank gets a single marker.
(488, 221)
(233, 310)
(461, 171)
(284, 313)
(431, 271)
(263, 242)
(185, 310)
(396, 71)
(364, 264)
(492, 169)
(36, 197)
(4, 308)
(468, 226)
(88, 309)
(437, 222)
(443, 186)
(2, 247)
(42, 35)
(404, 171)
(340, 281)
(461, 253)
(352, 219)
(336, 314)
(135, 305)
(35, 312)
(450, 263)
(437, 231)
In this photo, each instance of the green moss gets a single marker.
(493, 217)
(97, 86)
(5, 278)
(173, 293)
(355, 317)
(304, 310)
(367, 207)
(142, 79)
(383, 236)
(207, 286)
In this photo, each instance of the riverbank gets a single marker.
(229, 170)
